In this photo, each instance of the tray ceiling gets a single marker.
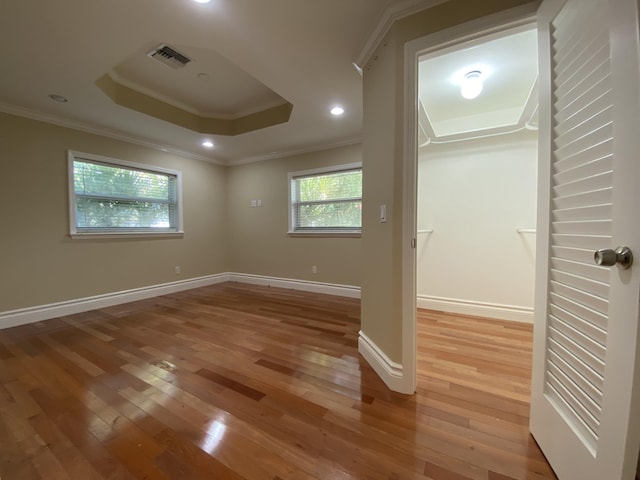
(508, 101)
(290, 55)
(208, 93)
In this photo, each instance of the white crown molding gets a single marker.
(391, 14)
(527, 109)
(531, 108)
(300, 151)
(105, 132)
(101, 131)
(527, 113)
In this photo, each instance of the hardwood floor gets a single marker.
(244, 382)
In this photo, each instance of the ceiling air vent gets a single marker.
(168, 56)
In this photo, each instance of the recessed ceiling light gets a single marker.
(337, 111)
(202, 1)
(207, 143)
(58, 98)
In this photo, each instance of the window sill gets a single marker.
(321, 234)
(96, 235)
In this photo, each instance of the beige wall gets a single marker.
(258, 238)
(383, 92)
(40, 264)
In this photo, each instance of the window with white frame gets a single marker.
(114, 197)
(327, 200)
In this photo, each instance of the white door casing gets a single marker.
(610, 454)
(482, 29)
(585, 410)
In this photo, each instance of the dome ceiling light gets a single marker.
(471, 84)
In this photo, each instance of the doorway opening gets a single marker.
(476, 184)
(583, 160)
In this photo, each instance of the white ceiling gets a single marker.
(297, 51)
(247, 56)
(508, 102)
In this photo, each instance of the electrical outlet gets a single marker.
(177, 270)
(314, 269)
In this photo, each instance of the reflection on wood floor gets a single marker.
(244, 382)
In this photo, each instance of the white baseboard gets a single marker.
(306, 285)
(23, 316)
(479, 309)
(389, 371)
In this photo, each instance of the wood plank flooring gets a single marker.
(244, 382)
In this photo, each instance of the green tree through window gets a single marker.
(111, 198)
(327, 201)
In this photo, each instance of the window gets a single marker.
(113, 197)
(327, 200)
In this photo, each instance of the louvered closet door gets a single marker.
(584, 413)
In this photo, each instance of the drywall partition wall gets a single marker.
(383, 157)
(40, 264)
(473, 197)
(258, 239)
